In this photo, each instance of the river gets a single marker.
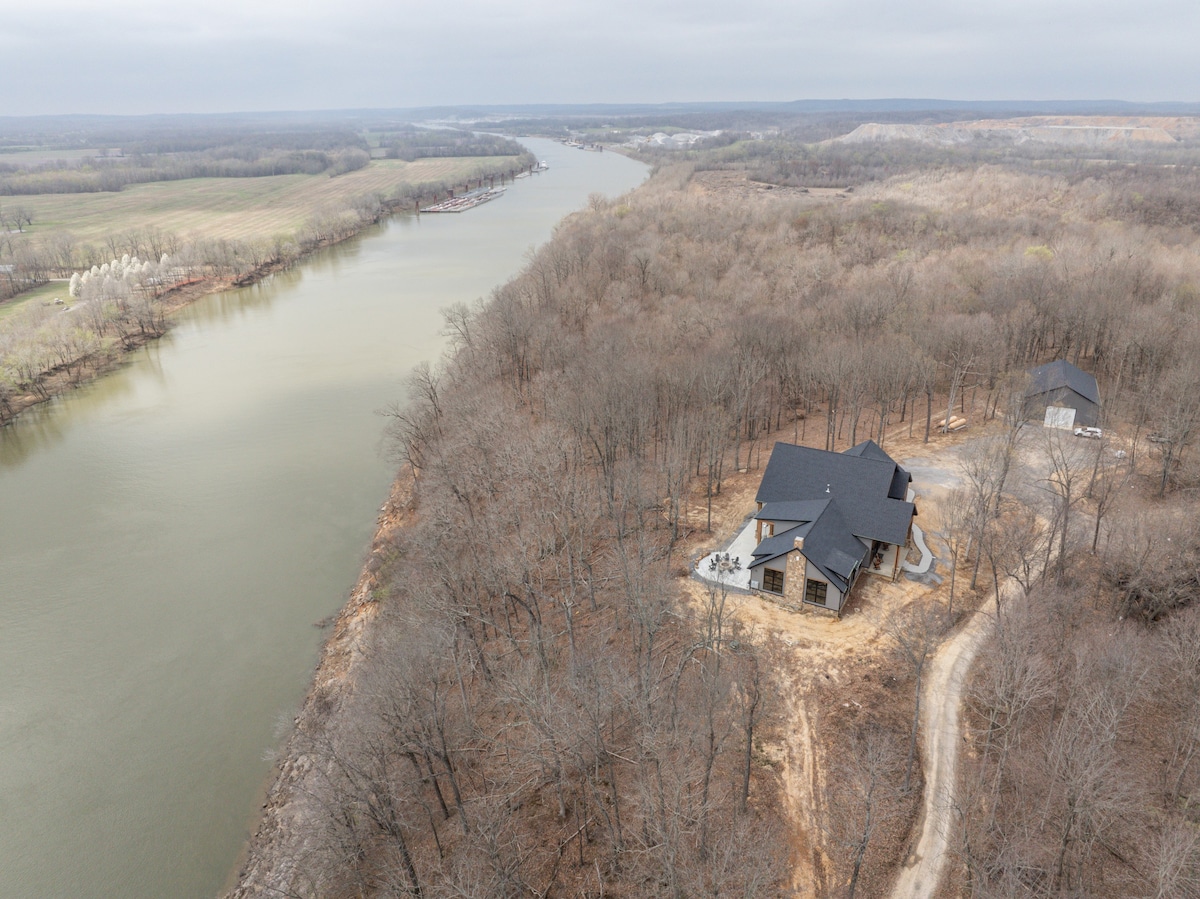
(170, 534)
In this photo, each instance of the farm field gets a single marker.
(37, 155)
(233, 208)
(43, 293)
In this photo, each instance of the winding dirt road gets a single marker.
(941, 700)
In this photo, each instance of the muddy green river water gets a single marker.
(170, 535)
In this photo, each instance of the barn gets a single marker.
(1063, 385)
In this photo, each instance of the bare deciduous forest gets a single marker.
(542, 703)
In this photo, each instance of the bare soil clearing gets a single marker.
(737, 186)
(822, 659)
(1076, 131)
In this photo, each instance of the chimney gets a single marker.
(799, 543)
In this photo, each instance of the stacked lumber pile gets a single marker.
(954, 423)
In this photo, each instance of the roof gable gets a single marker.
(832, 547)
(828, 544)
(1062, 373)
(779, 545)
(869, 449)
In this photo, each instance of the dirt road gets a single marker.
(818, 651)
(941, 733)
(941, 698)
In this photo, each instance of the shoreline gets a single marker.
(257, 870)
(59, 381)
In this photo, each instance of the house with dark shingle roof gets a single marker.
(1062, 384)
(824, 518)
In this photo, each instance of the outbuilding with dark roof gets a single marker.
(1062, 385)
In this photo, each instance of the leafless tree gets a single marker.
(1180, 644)
(867, 770)
(1015, 546)
(1177, 406)
(1063, 484)
(955, 516)
(915, 633)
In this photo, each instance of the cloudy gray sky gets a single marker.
(143, 56)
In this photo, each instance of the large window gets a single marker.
(772, 580)
(815, 591)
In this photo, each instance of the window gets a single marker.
(815, 591)
(772, 580)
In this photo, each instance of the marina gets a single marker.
(481, 195)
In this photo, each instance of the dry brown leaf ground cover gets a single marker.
(837, 675)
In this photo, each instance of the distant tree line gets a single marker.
(246, 141)
(446, 142)
(223, 154)
(113, 174)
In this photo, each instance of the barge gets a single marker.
(466, 201)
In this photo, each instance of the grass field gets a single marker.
(236, 208)
(35, 155)
(44, 293)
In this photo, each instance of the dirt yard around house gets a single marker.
(833, 673)
(837, 676)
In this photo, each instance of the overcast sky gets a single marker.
(144, 56)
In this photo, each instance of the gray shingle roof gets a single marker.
(1061, 373)
(828, 544)
(869, 449)
(802, 510)
(861, 487)
(779, 545)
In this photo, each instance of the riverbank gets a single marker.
(284, 825)
(70, 373)
(64, 378)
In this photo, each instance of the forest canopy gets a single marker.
(578, 716)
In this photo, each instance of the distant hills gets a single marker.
(1003, 108)
(742, 115)
(1072, 130)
